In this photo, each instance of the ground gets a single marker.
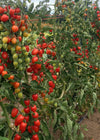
(93, 127)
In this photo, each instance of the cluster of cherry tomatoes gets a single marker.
(13, 28)
(22, 122)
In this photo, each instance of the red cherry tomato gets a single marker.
(27, 102)
(14, 112)
(17, 137)
(35, 97)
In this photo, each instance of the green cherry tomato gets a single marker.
(20, 68)
(12, 50)
(20, 61)
(15, 63)
(4, 46)
(23, 48)
(20, 95)
(15, 56)
(26, 53)
(27, 60)
(0, 46)
(1, 27)
(55, 104)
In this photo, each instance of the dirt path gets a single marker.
(93, 127)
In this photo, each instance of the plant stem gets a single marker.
(63, 92)
(5, 112)
(7, 119)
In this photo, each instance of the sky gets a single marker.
(36, 2)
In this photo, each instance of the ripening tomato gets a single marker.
(1, 10)
(22, 28)
(1, 69)
(11, 77)
(79, 48)
(27, 48)
(18, 48)
(42, 94)
(4, 73)
(4, 18)
(14, 112)
(16, 84)
(14, 28)
(22, 22)
(5, 40)
(25, 34)
(26, 16)
(14, 40)
(17, 137)
(20, 38)
(29, 30)
(35, 97)
(17, 90)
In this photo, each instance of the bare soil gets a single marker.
(93, 127)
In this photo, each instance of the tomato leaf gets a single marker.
(55, 119)
(45, 128)
(69, 126)
(6, 76)
(3, 138)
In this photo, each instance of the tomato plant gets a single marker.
(49, 76)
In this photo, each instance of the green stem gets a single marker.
(26, 77)
(7, 119)
(5, 112)
(63, 92)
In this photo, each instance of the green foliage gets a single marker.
(77, 85)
